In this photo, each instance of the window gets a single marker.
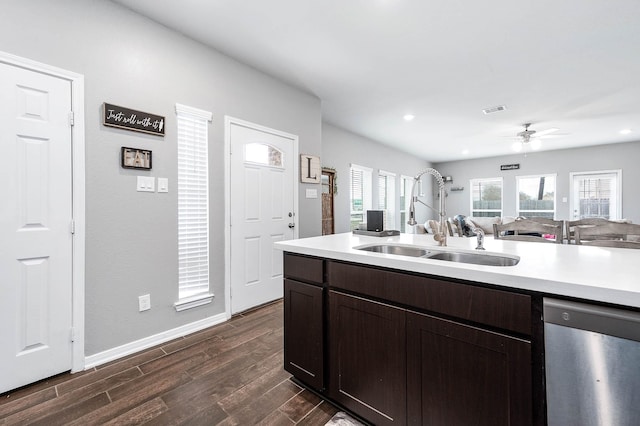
(387, 197)
(360, 194)
(486, 197)
(193, 207)
(264, 154)
(537, 196)
(596, 194)
(405, 199)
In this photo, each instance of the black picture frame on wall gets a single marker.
(134, 158)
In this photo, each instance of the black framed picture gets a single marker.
(134, 158)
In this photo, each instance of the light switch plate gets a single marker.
(312, 193)
(163, 184)
(146, 184)
(144, 302)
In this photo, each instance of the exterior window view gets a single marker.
(408, 212)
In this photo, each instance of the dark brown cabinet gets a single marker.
(460, 375)
(403, 348)
(304, 320)
(367, 348)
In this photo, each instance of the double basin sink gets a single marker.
(450, 256)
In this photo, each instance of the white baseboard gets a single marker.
(147, 342)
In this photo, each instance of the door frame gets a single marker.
(228, 122)
(617, 172)
(78, 196)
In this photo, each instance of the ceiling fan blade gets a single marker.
(546, 132)
(557, 135)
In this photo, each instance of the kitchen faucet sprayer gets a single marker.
(441, 236)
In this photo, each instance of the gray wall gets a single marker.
(602, 157)
(131, 237)
(341, 148)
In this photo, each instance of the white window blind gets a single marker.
(193, 202)
(360, 194)
(387, 197)
(406, 182)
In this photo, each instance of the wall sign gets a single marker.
(510, 166)
(134, 158)
(130, 119)
(310, 169)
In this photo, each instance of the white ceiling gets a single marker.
(567, 64)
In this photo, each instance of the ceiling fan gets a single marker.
(531, 138)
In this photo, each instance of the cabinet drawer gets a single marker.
(304, 268)
(495, 308)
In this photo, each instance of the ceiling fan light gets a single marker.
(536, 144)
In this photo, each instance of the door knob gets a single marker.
(292, 225)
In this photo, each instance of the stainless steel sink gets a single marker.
(449, 256)
(475, 258)
(399, 250)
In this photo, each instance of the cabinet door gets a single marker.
(462, 375)
(367, 346)
(303, 336)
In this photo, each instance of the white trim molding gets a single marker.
(150, 341)
(192, 302)
(78, 187)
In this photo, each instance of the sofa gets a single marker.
(455, 230)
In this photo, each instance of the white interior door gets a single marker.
(262, 212)
(35, 218)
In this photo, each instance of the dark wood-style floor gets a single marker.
(230, 374)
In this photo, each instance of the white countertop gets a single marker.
(610, 275)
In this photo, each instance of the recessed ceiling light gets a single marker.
(408, 117)
(625, 131)
(465, 152)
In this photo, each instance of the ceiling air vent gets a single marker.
(494, 109)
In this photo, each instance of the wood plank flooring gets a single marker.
(230, 374)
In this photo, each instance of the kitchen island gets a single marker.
(406, 340)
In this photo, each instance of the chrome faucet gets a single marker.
(480, 235)
(441, 236)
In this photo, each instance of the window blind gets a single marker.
(193, 201)
(387, 197)
(361, 185)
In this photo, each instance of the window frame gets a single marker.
(367, 193)
(390, 198)
(192, 140)
(406, 182)
(519, 212)
(471, 194)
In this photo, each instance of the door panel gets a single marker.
(262, 207)
(36, 250)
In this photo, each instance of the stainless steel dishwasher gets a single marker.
(592, 357)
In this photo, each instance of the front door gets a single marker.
(262, 212)
(35, 226)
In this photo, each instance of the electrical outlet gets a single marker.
(144, 302)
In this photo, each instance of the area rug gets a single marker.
(343, 419)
